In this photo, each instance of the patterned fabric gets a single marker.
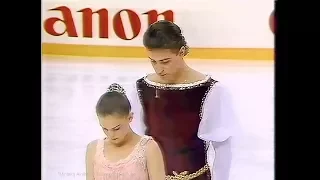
(133, 167)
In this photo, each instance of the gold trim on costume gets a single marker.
(185, 176)
(183, 85)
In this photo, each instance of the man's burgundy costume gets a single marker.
(185, 119)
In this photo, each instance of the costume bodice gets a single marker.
(172, 114)
(132, 167)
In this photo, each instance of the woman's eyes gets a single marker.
(112, 129)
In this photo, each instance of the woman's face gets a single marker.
(116, 127)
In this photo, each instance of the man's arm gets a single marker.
(137, 123)
(223, 159)
(155, 162)
(218, 126)
(91, 149)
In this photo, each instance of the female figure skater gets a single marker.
(122, 155)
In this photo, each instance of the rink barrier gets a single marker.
(139, 52)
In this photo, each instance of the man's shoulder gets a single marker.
(219, 88)
(150, 77)
(140, 79)
(217, 85)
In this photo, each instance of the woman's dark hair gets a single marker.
(113, 102)
(164, 35)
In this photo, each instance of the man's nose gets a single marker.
(159, 69)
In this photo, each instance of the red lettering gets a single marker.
(67, 20)
(134, 22)
(103, 14)
(273, 22)
(87, 22)
(153, 16)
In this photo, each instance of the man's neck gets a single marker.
(182, 76)
(188, 76)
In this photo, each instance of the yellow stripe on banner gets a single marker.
(139, 52)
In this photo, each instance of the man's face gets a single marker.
(165, 63)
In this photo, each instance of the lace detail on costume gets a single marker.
(133, 167)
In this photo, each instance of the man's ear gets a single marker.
(130, 116)
(182, 51)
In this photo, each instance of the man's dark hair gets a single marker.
(113, 102)
(164, 35)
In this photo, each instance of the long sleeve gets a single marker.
(218, 125)
(223, 158)
(137, 123)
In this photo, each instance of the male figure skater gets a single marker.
(184, 110)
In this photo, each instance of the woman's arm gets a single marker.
(155, 161)
(91, 149)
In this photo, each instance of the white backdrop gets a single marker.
(70, 92)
